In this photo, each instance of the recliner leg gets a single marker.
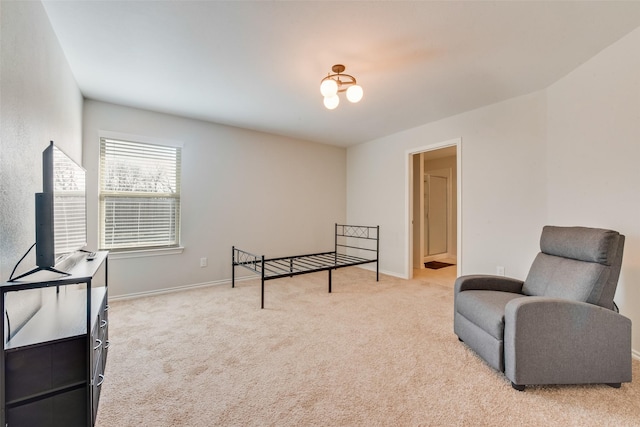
(517, 386)
(615, 385)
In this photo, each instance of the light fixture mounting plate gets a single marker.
(338, 68)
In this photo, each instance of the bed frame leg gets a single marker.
(262, 286)
(329, 280)
(233, 267)
(377, 253)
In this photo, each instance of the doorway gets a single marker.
(434, 199)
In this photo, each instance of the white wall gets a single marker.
(593, 153)
(503, 185)
(263, 193)
(39, 102)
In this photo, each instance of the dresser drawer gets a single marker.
(39, 368)
(63, 410)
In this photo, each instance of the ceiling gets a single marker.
(258, 64)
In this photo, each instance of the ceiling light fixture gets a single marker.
(337, 82)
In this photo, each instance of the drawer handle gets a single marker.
(107, 343)
(97, 346)
(101, 380)
(103, 323)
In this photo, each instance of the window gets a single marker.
(139, 195)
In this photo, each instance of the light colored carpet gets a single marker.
(369, 354)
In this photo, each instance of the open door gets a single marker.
(436, 220)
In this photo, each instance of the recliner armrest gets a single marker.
(558, 341)
(486, 282)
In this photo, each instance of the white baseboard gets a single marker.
(635, 354)
(372, 268)
(450, 257)
(178, 288)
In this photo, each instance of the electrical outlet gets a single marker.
(203, 262)
(500, 270)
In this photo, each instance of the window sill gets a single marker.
(146, 253)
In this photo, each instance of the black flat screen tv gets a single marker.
(61, 212)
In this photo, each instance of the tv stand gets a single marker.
(52, 366)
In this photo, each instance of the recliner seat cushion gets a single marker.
(485, 309)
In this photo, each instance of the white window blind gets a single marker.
(139, 195)
(69, 204)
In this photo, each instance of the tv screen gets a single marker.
(61, 214)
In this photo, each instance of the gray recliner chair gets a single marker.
(559, 326)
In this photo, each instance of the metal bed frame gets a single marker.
(352, 240)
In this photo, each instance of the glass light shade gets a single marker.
(328, 88)
(354, 93)
(331, 102)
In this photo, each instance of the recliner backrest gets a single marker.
(577, 263)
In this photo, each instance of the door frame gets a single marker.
(457, 142)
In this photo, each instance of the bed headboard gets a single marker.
(353, 239)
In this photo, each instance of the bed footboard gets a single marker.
(247, 260)
(251, 262)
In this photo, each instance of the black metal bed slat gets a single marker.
(300, 265)
(279, 264)
(316, 261)
(295, 262)
(348, 259)
(311, 261)
(288, 266)
(270, 271)
(297, 256)
(340, 259)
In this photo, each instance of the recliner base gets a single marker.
(522, 387)
(517, 386)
